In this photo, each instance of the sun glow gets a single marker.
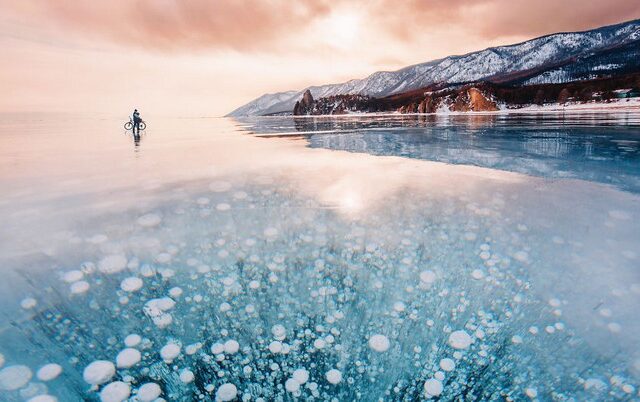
(341, 29)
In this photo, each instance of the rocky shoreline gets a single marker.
(477, 97)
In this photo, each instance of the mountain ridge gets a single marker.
(541, 53)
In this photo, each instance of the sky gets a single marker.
(207, 57)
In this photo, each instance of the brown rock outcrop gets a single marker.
(305, 105)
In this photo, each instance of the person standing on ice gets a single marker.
(136, 121)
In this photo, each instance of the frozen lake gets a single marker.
(352, 258)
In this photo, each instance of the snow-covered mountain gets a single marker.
(530, 59)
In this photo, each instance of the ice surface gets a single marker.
(332, 275)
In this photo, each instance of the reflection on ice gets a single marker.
(600, 147)
(332, 276)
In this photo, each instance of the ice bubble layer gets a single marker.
(244, 293)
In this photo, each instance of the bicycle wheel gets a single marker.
(128, 125)
(143, 125)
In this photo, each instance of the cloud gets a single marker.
(490, 19)
(254, 25)
(170, 24)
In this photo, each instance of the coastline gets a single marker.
(619, 105)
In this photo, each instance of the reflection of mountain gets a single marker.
(556, 58)
(606, 156)
(603, 148)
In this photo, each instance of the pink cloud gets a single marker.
(248, 25)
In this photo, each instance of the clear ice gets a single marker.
(398, 280)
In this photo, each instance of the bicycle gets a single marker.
(129, 125)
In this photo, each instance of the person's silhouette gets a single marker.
(136, 122)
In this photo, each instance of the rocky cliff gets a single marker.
(476, 97)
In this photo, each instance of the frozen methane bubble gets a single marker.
(148, 392)
(28, 303)
(275, 347)
(187, 376)
(521, 256)
(279, 332)
(132, 340)
(117, 391)
(334, 376)
(156, 310)
(217, 348)
(301, 375)
(427, 277)
(128, 358)
(447, 364)
(433, 387)
(226, 392)
(43, 398)
(379, 343)
(49, 372)
(79, 287)
(477, 274)
(72, 276)
(14, 377)
(1, 360)
(620, 215)
(291, 385)
(223, 206)
(220, 186)
(149, 220)
(170, 351)
(175, 292)
(112, 264)
(460, 340)
(131, 284)
(98, 372)
(231, 347)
